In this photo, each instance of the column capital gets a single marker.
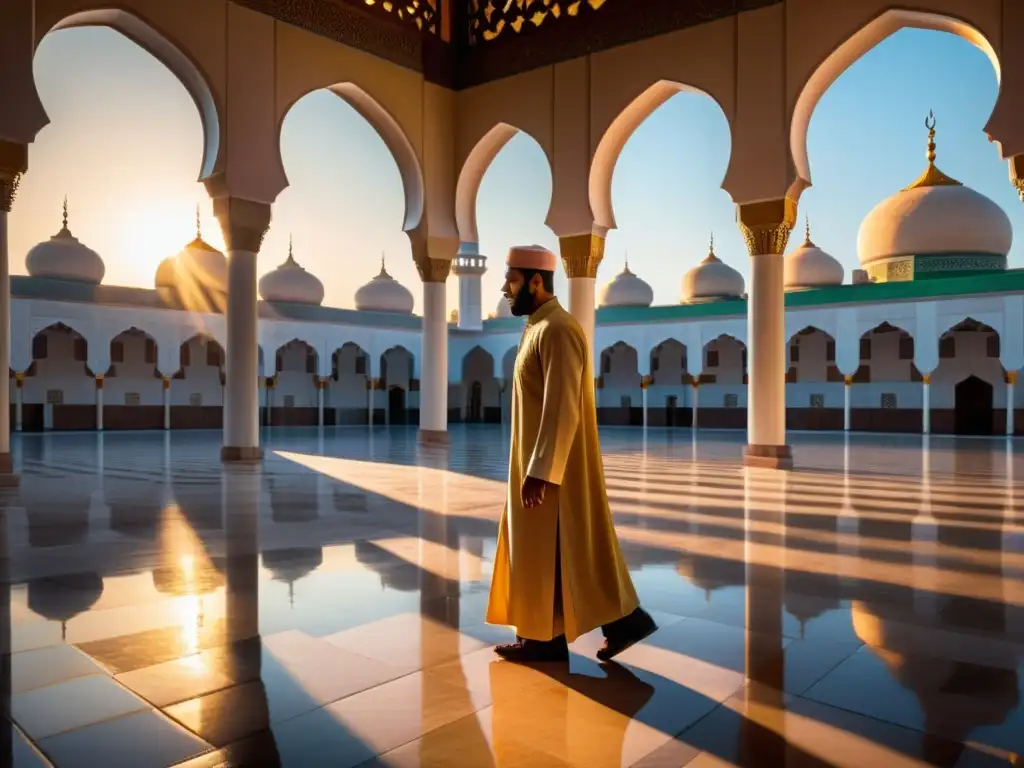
(581, 254)
(926, 378)
(167, 382)
(766, 225)
(433, 255)
(1016, 164)
(99, 382)
(646, 381)
(1011, 377)
(848, 381)
(13, 163)
(243, 222)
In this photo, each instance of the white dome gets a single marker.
(711, 279)
(384, 294)
(291, 283)
(63, 257)
(810, 267)
(933, 216)
(625, 290)
(504, 309)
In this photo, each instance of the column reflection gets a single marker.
(763, 740)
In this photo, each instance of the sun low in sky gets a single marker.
(125, 146)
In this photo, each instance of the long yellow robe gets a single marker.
(554, 438)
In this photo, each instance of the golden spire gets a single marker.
(291, 257)
(932, 176)
(711, 251)
(625, 269)
(65, 212)
(383, 269)
(807, 232)
(199, 225)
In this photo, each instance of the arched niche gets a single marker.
(347, 387)
(725, 360)
(668, 363)
(480, 390)
(812, 356)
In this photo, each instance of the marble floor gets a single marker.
(327, 608)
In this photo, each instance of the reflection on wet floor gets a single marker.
(327, 608)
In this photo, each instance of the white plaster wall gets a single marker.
(200, 379)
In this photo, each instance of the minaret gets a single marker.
(469, 268)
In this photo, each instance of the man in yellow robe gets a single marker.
(558, 570)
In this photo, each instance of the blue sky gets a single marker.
(130, 170)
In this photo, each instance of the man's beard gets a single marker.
(524, 303)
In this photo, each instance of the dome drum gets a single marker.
(926, 266)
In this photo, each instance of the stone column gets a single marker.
(244, 223)
(847, 386)
(270, 383)
(694, 404)
(434, 350)
(371, 388)
(926, 404)
(19, 401)
(581, 256)
(321, 385)
(1011, 383)
(766, 226)
(13, 163)
(99, 403)
(167, 402)
(645, 382)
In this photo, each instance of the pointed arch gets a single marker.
(847, 53)
(467, 187)
(145, 35)
(602, 166)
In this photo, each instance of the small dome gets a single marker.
(291, 283)
(919, 228)
(711, 279)
(384, 294)
(810, 267)
(504, 309)
(625, 290)
(63, 257)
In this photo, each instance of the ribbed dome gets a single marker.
(711, 279)
(63, 257)
(291, 283)
(810, 267)
(936, 216)
(504, 309)
(625, 290)
(384, 294)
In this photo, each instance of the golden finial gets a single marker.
(199, 225)
(626, 259)
(383, 269)
(711, 251)
(932, 176)
(65, 211)
(807, 231)
(291, 258)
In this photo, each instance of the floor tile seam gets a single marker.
(875, 718)
(147, 708)
(831, 669)
(717, 706)
(28, 740)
